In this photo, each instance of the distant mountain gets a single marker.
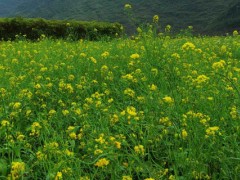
(7, 7)
(206, 16)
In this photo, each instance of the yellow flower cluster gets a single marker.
(184, 134)
(105, 54)
(155, 18)
(17, 105)
(5, 123)
(102, 162)
(165, 121)
(201, 79)
(126, 178)
(135, 56)
(188, 46)
(234, 112)
(127, 6)
(35, 129)
(211, 131)
(17, 170)
(219, 65)
(168, 99)
(139, 149)
(235, 33)
(58, 176)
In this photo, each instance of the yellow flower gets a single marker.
(73, 135)
(105, 54)
(17, 105)
(154, 71)
(234, 112)
(141, 99)
(114, 119)
(18, 166)
(110, 100)
(93, 60)
(41, 156)
(37, 86)
(43, 69)
(17, 169)
(139, 30)
(117, 144)
(69, 88)
(129, 92)
(35, 129)
(20, 137)
(184, 134)
(71, 77)
(188, 45)
(104, 68)
(15, 61)
(84, 178)
(210, 98)
(69, 153)
(51, 112)
(131, 111)
(98, 151)
(43, 36)
(155, 18)
(127, 6)
(219, 65)
(58, 176)
(65, 112)
(128, 76)
(102, 162)
(36, 125)
(168, 28)
(211, 131)
(166, 121)
(139, 149)
(100, 140)
(168, 99)
(201, 79)
(77, 111)
(67, 171)
(83, 55)
(235, 33)
(175, 55)
(171, 177)
(5, 123)
(153, 87)
(223, 48)
(126, 178)
(28, 112)
(135, 56)
(149, 179)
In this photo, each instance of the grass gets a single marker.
(148, 108)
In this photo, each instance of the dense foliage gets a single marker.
(12, 28)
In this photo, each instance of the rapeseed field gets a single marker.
(141, 108)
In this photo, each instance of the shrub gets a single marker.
(33, 28)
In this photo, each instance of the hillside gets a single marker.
(7, 7)
(204, 15)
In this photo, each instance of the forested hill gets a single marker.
(206, 16)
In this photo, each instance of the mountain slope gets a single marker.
(8, 7)
(204, 15)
